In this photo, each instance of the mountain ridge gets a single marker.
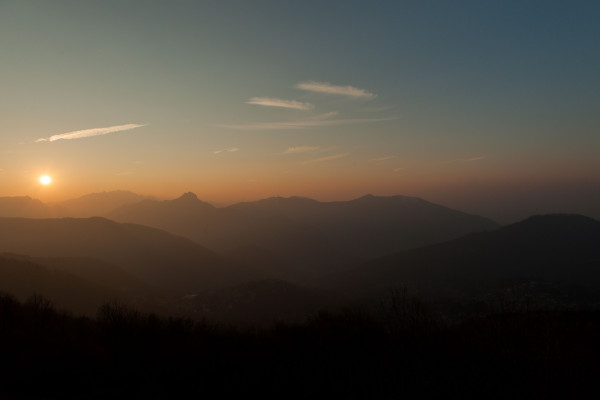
(560, 248)
(306, 231)
(155, 256)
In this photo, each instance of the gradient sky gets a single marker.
(491, 107)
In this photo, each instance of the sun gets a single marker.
(45, 180)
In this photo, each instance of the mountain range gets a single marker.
(155, 257)
(545, 253)
(281, 257)
(90, 205)
(314, 237)
(290, 238)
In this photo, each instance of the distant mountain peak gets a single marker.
(190, 199)
(189, 196)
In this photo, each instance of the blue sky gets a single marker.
(479, 105)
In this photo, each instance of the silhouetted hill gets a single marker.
(96, 204)
(560, 249)
(25, 207)
(90, 269)
(24, 278)
(151, 255)
(312, 236)
(126, 354)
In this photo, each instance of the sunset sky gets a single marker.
(490, 107)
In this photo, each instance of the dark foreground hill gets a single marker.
(307, 236)
(155, 257)
(561, 252)
(124, 354)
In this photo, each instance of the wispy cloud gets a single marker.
(473, 159)
(328, 158)
(300, 149)
(398, 169)
(271, 102)
(227, 150)
(376, 109)
(90, 132)
(379, 159)
(306, 123)
(328, 88)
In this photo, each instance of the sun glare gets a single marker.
(45, 180)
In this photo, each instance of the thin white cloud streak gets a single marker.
(227, 150)
(376, 109)
(300, 149)
(272, 102)
(90, 132)
(328, 88)
(473, 159)
(379, 159)
(398, 169)
(328, 158)
(318, 121)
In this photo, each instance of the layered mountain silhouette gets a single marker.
(562, 249)
(310, 235)
(91, 269)
(90, 205)
(153, 256)
(227, 229)
(294, 232)
(24, 206)
(264, 259)
(97, 204)
(24, 278)
(295, 239)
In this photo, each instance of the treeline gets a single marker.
(123, 353)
